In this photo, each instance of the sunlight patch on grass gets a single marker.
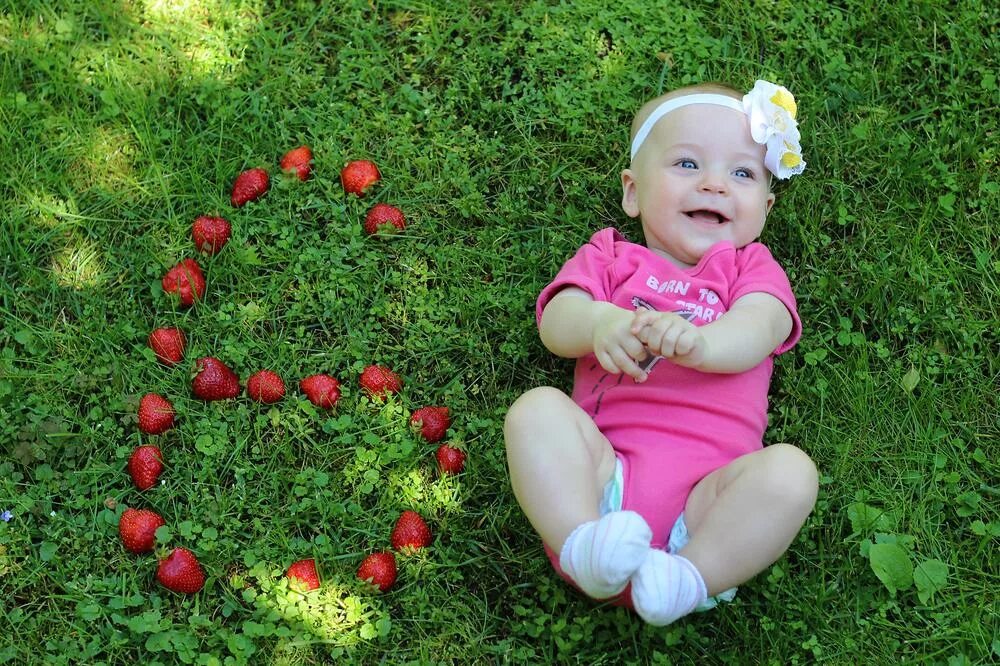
(105, 160)
(176, 10)
(331, 614)
(205, 31)
(409, 488)
(6, 32)
(49, 211)
(79, 264)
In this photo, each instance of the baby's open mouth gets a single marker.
(706, 216)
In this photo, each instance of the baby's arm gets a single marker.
(752, 329)
(574, 325)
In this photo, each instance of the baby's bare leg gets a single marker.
(559, 464)
(741, 518)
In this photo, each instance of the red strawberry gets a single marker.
(358, 176)
(265, 386)
(450, 460)
(383, 217)
(156, 414)
(144, 466)
(432, 421)
(298, 161)
(322, 390)
(214, 380)
(379, 569)
(249, 186)
(302, 575)
(210, 233)
(168, 345)
(410, 532)
(137, 528)
(379, 381)
(181, 572)
(187, 280)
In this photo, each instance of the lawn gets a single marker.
(500, 129)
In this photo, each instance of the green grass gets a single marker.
(500, 130)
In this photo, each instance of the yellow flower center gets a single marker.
(790, 160)
(784, 99)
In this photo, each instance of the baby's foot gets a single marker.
(666, 587)
(601, 555)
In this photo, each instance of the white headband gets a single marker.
(771, 111)
(676, 103)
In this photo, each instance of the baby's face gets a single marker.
(698, 179)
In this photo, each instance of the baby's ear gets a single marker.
(630, 196)
(769, 204)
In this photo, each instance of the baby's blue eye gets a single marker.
(687, 164)
(744, 173)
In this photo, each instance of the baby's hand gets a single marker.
(670, 336)
(617, 349)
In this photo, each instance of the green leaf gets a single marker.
(910, 380)
(866, 519)
(88, 612)
(206, 444)
(947, 202)
(892, 566)
(47, 550)
(930, 576)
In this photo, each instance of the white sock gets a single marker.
(601, 555)
(666, 587)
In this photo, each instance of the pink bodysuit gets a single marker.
(681, 424)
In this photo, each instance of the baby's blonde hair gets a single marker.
(650, 106)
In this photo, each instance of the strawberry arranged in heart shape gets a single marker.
(322, 390)
(410, 532)
(265, 386)
(302, 575)
(137, 529)
(433, 422)
(210, 234)
(250, 185)
(384, 218)
(450, 460)
(186, 280)
(379, 381)
(214, 380)
(156, 414)
(181, 572)
(144, 466)
(168, 345)
(358, 176)
(379, 570)
(298, 161)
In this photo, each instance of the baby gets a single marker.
(651, 486)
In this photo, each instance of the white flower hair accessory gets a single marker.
(771, 110)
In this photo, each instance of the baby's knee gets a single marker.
(531, 410)
(793, 475)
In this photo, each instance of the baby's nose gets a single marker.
(713, 184)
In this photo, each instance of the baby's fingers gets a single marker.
(628, 365)
(642, 319)
(685, 342)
